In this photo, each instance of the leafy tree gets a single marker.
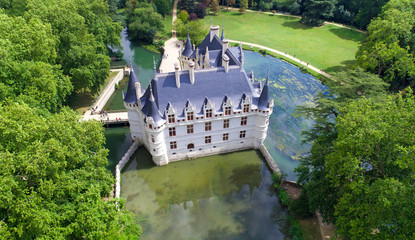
(244, 6)
(230, 3)
(53, 178)
(187, 5)
(367, 10)
(388, 51)
(315, 11)
(295, 7)
(163, 7)
(183, 16)
(372, 164)
(348, 87)
(145, 23)
(214, 6)
(200, 10)
(197, 31)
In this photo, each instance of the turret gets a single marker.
(187, 52)
(150, 109)
(264, 97)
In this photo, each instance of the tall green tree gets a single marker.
(145, 23)
(389, 51)
(316, 11)
(197, 31)
(163, 7)
(214, 6)
(349, 86)
(53, 178)
(243, 7)
(372, 164)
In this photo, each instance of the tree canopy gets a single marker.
(197, 31)
(53, 178)
(315, 11)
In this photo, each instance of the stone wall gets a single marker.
(269, 159)
(120, 166)
(108, 91)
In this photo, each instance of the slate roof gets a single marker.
(213, 84)
(150, 109)
(131, 95)
(188, 51)
(264, 97)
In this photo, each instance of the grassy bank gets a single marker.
(329, 47)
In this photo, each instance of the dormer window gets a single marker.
(246, 108)
(190, 116)
(208, 113)
(228, 110)
(171, 118)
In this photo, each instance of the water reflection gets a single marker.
(226, 196)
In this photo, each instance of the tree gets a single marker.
(197, 31)
(214, 6)
(183, 16)
(163, 7)
(388, 51)
(295, 7)
(367, 10)
(316, 11)
(53, 178)
(145, 23)
(244, 6)
(200, 10)
(230, 2)
(372, 164)
(348, 87)
(187, 5)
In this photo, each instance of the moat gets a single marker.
(227, 196)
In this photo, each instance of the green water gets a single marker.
(228, 196)
(118, 140)
(116, 102)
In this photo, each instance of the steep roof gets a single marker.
(212, 83)
(131, 95)
(264, 97)
(188, 51)
(150, 109)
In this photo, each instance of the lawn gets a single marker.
(329, 47)
(81, 101)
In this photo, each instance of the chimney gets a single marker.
(177, 74)
(225, 62)
(214, 30)
(225, 44)
(192, 72)
(138, 90)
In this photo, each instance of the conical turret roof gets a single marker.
(131, 95)
(188, 46)
(264, 97)
(150, 109)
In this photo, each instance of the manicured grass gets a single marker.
(329, 47)
(81, 101)
(167, 26)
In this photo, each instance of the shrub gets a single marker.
(283, 196)
(183, 16)
(263, 52)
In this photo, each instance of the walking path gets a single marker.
(307, 65)
(172, 47)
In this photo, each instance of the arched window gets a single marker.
(190, 146)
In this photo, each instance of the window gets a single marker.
(208, 113)
(208, 126)
(189, 116)
(208, 139)
(189, 129)
(242, 134)
(171, 118)
(172, 131)
(152, 138)
(228, 110)
(225, 136)
(246, 108)
(173, 145)
(150, 126)
(226, 123)
(190, 146)
(243, 121)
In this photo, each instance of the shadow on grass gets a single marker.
(348, 34)
(295, 24)
(345, 65)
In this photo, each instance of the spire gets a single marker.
(131, 95)
(151, 98)
(223, 32)
(264, 97)
(188, 46)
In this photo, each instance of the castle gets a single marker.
(208, 106)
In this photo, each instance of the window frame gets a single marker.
(208, 139)
(226, 123)
(208, 126)
(172, 131)
(190, 129)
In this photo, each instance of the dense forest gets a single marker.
(53, 176)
